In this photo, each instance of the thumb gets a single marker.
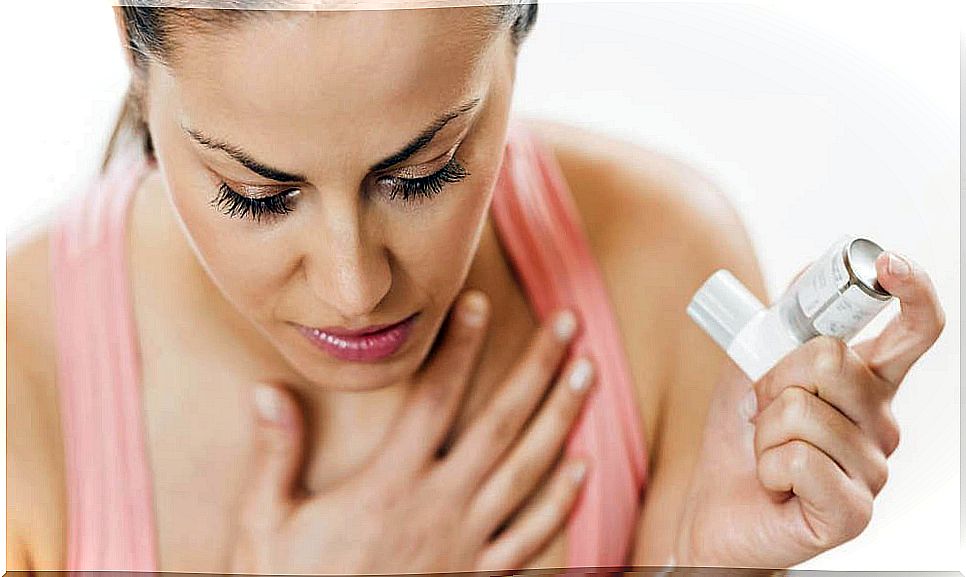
(278, 446)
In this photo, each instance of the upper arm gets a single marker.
(21, 415)
(34, 465)
(664, 229)
(659, 228)
(711, 235)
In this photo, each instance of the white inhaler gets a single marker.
(837, 295)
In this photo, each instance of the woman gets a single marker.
(301, 395)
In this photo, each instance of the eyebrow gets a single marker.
(261, 169)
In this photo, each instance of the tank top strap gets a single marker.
(540, 227)
(110, 503)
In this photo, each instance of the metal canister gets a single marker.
(839, 294)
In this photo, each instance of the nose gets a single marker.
(349, 272)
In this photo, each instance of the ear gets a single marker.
(123, 38)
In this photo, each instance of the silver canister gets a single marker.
(839, 294)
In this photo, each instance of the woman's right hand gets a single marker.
(410, 509)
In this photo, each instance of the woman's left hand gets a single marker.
(779, 484)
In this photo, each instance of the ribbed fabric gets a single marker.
(111, 517)
(109, 495)
(539, 226)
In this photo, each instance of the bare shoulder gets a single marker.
(35, 472)
(29, 306)
(658, 228)
(651, 219)
(623, 188)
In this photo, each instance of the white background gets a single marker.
(817, 118)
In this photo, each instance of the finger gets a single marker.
(529, 461)
(829, 510)
(278, 447)
(434, 402)
(798, 414)
(504, 415)
(828, 368)
(919, 323)
(530, 532)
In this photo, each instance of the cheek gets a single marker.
(221, 243)
(437, 248)
(436, 244)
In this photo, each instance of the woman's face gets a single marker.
(333, 171)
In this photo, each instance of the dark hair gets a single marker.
(150, 35)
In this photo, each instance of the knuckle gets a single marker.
(768, 468)
(940, 323)
(890, 434)
(501, 429)
(799, 456)
(795, 406)
(829, 355)
(514, 415)
(520, 475)
(880, 475)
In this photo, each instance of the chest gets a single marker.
(198, 417)
(198, 431)
(200, 453)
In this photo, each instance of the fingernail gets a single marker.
(565, 325)
(749, 405)
(898, 267)
(474, 309)
(580, 375)
(267, 403)
(578, 471)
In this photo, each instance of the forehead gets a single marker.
(322, 65)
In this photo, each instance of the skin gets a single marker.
(351, 259)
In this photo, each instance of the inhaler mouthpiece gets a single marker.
(723, 306)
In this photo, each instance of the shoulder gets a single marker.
(658, 228)
(29, 306)
(35, 497)
(627, 192)
(650, 218)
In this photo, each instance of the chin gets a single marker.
(353, 377)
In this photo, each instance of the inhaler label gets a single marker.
(853, 309)
(822, 281)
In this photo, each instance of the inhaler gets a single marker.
(837, 295)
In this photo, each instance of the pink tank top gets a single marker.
(111, 516)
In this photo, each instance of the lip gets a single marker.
(340, 332)
(370, 344)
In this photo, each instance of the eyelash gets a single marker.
(410, 190)
(238, 205)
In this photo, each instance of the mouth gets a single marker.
(370, 344)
